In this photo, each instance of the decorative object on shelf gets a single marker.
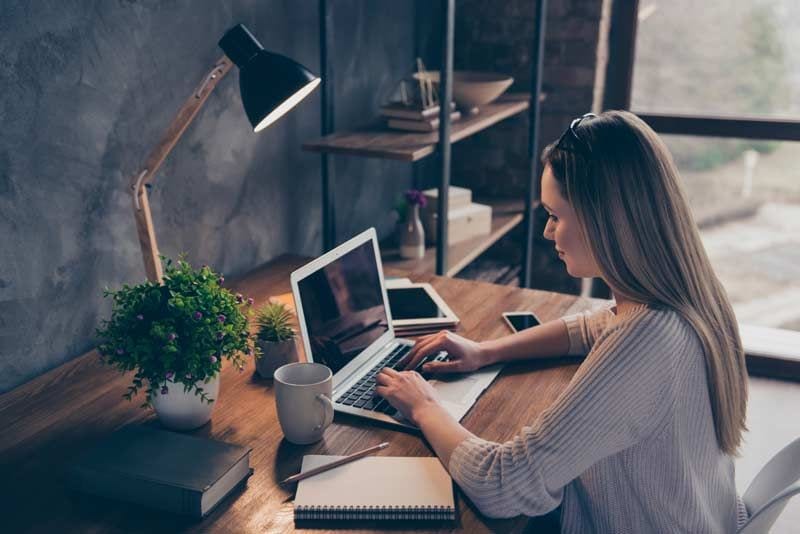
(270, 85)
(174, 335)
(417, 109)
(472, 89)
(429, 95)
(463, 223)
(456, 198)
(465, 219)
(276, 338)
(412, 235)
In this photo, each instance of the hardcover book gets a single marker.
(398, 110)
(426, 125)
(183, 474)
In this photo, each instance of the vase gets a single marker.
(179, 410)
(412, 235)
(274, 355)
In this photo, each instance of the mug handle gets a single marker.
(327, 417)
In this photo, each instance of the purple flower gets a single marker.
(213, 359)
(172, 336)
(221, 318)
(120, 351)
(250, 301)
(170, 375)
(164, 390)
(220, 335)
(221, 280)
(239, 298)
(415, 197)
(140, 317)
(197, 315)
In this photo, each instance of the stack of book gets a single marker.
(415, 118)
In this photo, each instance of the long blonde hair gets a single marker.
(634, 216)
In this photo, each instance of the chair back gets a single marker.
(771, 489)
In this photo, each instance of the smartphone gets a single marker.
(517, 321)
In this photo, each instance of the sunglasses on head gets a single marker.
(571, 141)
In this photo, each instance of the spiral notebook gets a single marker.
(376, 487)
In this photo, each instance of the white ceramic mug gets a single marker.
(303, 397)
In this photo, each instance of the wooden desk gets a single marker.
(50, 419)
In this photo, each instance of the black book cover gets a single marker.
(160, 469)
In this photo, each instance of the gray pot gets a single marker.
(273, 355)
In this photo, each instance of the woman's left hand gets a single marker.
(407, 391)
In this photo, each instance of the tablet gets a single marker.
(419, 305)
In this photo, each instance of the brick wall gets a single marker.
(497, 36)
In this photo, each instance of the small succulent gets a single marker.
(274, 323)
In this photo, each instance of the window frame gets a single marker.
(778, 359)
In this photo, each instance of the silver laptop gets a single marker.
(346, 324)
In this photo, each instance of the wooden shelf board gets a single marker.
(379, 142)
(461, 254)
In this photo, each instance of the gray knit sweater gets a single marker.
(628, 447)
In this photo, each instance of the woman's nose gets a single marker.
(548, 230)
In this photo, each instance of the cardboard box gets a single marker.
(463, 223)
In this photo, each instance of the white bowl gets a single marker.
(472, 89)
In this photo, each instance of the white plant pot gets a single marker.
(274, 355)
(184, 411)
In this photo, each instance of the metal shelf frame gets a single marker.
(444, 144)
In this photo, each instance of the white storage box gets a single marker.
(457, 197)
(463, 223)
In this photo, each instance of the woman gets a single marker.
(642, 438)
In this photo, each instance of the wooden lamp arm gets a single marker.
(139, 182)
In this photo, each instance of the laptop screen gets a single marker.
(343, 307)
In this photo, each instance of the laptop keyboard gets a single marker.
(362, 393)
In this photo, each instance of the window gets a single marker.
(720, 82)
(724, 57)
(745, 196)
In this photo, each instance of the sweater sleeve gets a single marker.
(585, 327)
(621, 394)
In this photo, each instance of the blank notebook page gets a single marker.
(376, 482)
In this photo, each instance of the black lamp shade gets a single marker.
(270, 84)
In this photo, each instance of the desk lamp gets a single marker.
(270, 85)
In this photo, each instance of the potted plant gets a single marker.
(174, 336)
(275, 338)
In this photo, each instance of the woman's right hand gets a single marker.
(464, 354)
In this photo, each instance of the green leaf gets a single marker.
(169, 308)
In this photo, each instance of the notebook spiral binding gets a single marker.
(379, 513)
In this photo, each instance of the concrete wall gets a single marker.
(89, 87)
